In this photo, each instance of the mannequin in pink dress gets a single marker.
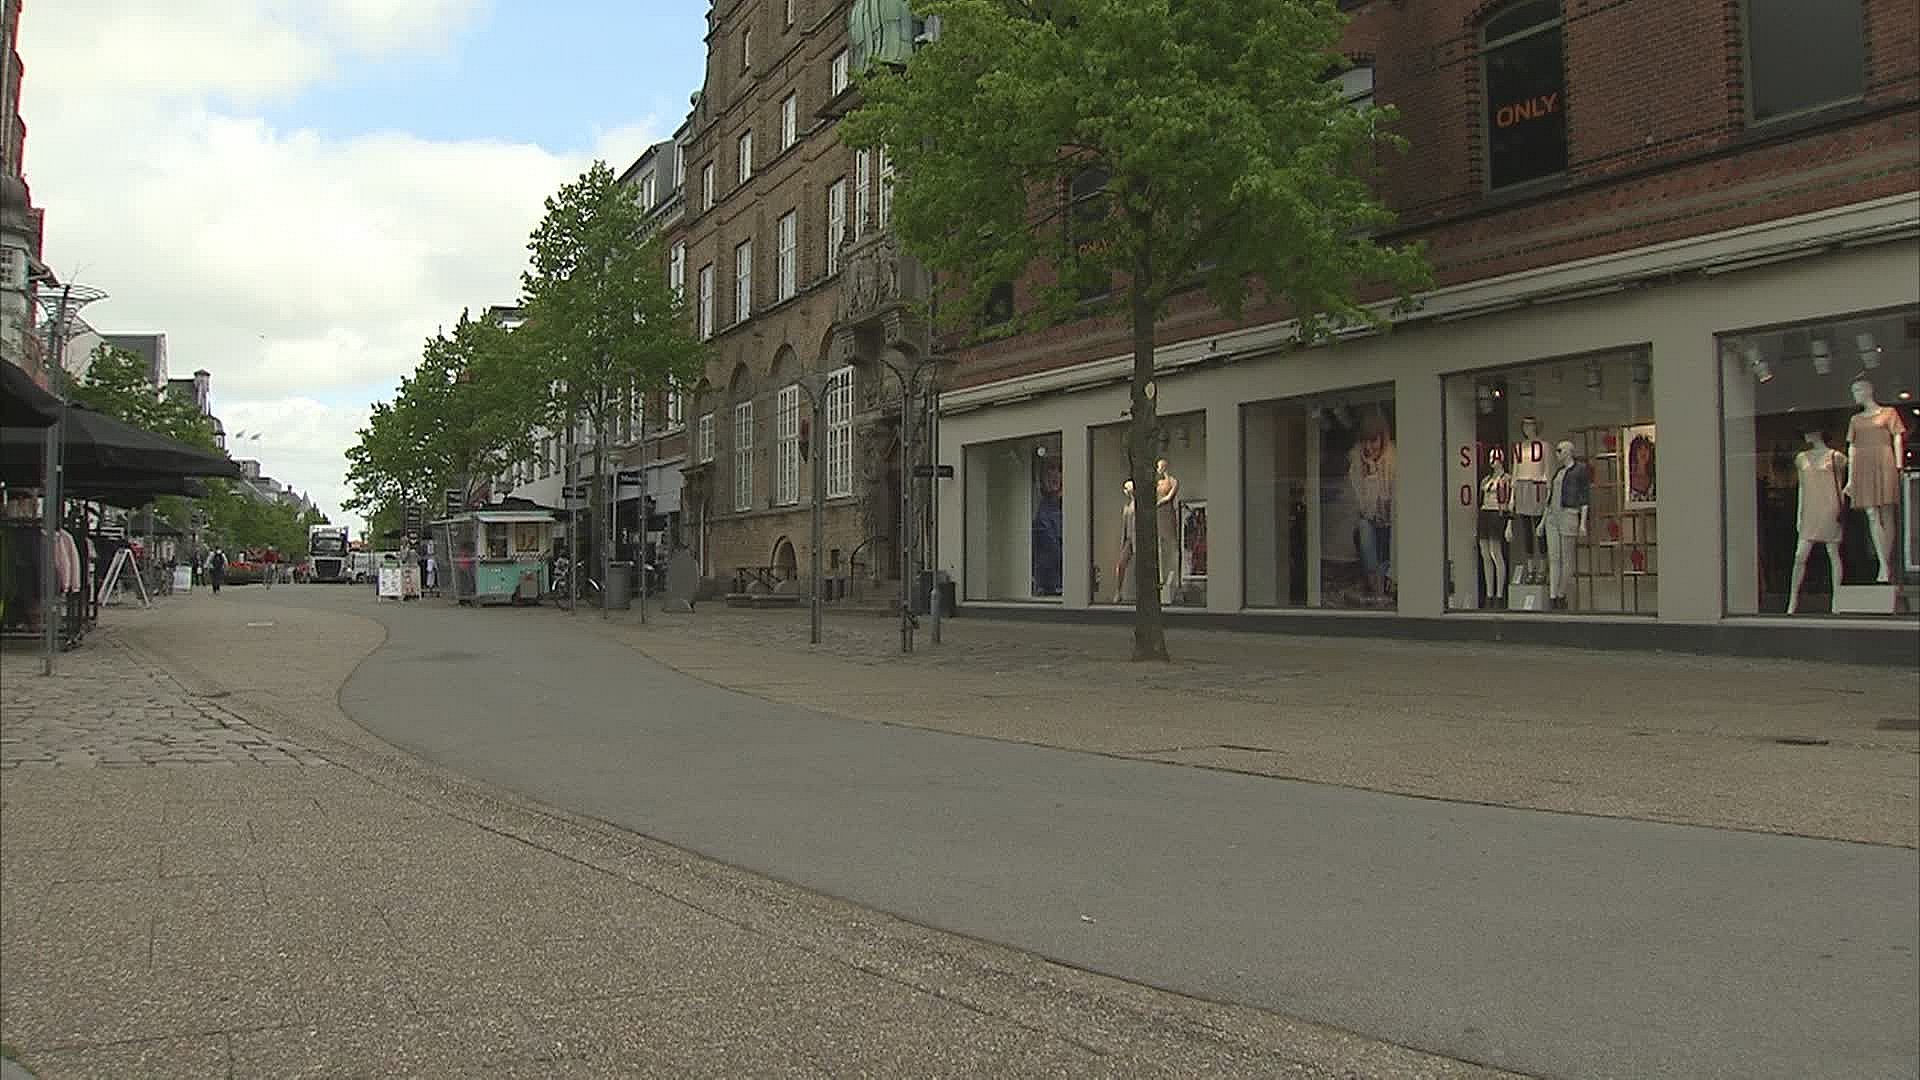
(1819, 468)
(1876, 444)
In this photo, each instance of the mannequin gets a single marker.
(1565, 522)
(1496, 527)
(1166, 490)
(1876, 445)
(1126, 545)
(1819, 467)
(1530, 466)
(1371, 468)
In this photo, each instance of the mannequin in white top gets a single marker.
(1876, 446)
(1495, 526)
(1531, 462)
(1819, 467)
(1126, 545)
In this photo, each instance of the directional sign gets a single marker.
(456, 501)
(927, 472)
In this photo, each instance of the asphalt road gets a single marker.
(1543, 943)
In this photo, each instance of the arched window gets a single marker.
(1524, 66)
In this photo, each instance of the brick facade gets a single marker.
(1660, 148)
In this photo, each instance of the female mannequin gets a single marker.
(1166, 490)
(1126, 545)
(1496, 527)
(1876, 445)
(1819, 467)
(1530, 466)
(1371, 468)
(1568, 495)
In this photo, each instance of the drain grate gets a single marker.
(1899, 723)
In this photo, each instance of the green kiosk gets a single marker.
(498, 554)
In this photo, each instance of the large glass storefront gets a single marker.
(1180, 496)
(1320, 476)
(1554, 497)
(1822, 479)
(1015, 519)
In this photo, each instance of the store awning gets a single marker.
(23, 404)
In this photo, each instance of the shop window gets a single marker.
(1526, 93)
(1179, 468)
(1552, 472)
(497, 539)
(1322, 476)
(1822, 479)
(1803, 56)
(1014, 519)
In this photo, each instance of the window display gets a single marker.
(1180, 477)
(1556, 486)
(1014, 519)
(1820, 465)
(1321, 475)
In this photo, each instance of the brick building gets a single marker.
(784, 250)
(1682, 224)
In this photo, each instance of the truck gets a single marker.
(327, 553)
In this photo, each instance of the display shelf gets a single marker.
(1616, 566)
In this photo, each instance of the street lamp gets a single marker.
(909, 377)
(63, 315)
(816, 385)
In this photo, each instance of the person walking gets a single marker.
(272, 560)
(217, 569)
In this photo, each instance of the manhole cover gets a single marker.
(1899, 723)
(1802, 740)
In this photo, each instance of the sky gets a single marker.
(299, 192)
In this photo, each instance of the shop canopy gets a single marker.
(97, 449)
(23, 404)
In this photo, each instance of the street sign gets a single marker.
(456, 501)
(628, 477)
(410, 519)
(928, 472)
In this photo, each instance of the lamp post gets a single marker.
(816, 385)
(72, 298)
(908, 376)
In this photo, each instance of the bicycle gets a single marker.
(561, 588)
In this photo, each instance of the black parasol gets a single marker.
(23, 403)
(100, 449)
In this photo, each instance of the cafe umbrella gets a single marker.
(23, 403)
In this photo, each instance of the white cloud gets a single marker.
(291, 265)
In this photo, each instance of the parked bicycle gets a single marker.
(561, 588)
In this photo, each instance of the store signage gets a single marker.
(1539, 107)
(928, 472)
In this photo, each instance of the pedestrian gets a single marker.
(271, 559)
(217, 569)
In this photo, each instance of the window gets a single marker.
(704, 319)
(789, 121)
(836, 223)
(746, 48)
(786, 446)
(789, 13)
(886, 189)
(1320, 485)
(703, 440)
(1356, 85)
(839, 436)
(546, 457)
(862, 181)
(1526, 87)
(742, 280)
(1088, 209)
(707, 195)
(787, 252)
(1802, 57)
(679, 165)
(676, 410)
(743, 456)
(647, 192)
(1014, 521)
(677, 270)
(839, 79)
(746, 156)
(999, 308)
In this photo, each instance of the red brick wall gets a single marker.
(1659, 147)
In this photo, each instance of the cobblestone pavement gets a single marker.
(277, 893)
(104, 708)
(1779, 746)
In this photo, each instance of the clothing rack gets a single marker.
(74, 612)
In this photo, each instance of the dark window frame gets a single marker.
(1495, 35)
(1747, 74)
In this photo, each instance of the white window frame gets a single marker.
(836, 223)
(743, 456)
(787, 255)
(707, 195)
(789, 121)
(676, 410)
(649, 192)
(677, 269)
(744, 145)
(703, 440)
(786, 446)
(746, 49)
(840, 73)
(1356, 86)
(742, 281)
(885, 216)
(705, 314)
(839, 434)
(789, 12)
(862, 182)
(679, 165)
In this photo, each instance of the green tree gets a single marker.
(119, 385)
(602, 321)
(1142, 146)
(468, 410)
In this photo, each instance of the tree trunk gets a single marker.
(1149, 625)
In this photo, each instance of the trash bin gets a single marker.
(923, 592)
(619, 586)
